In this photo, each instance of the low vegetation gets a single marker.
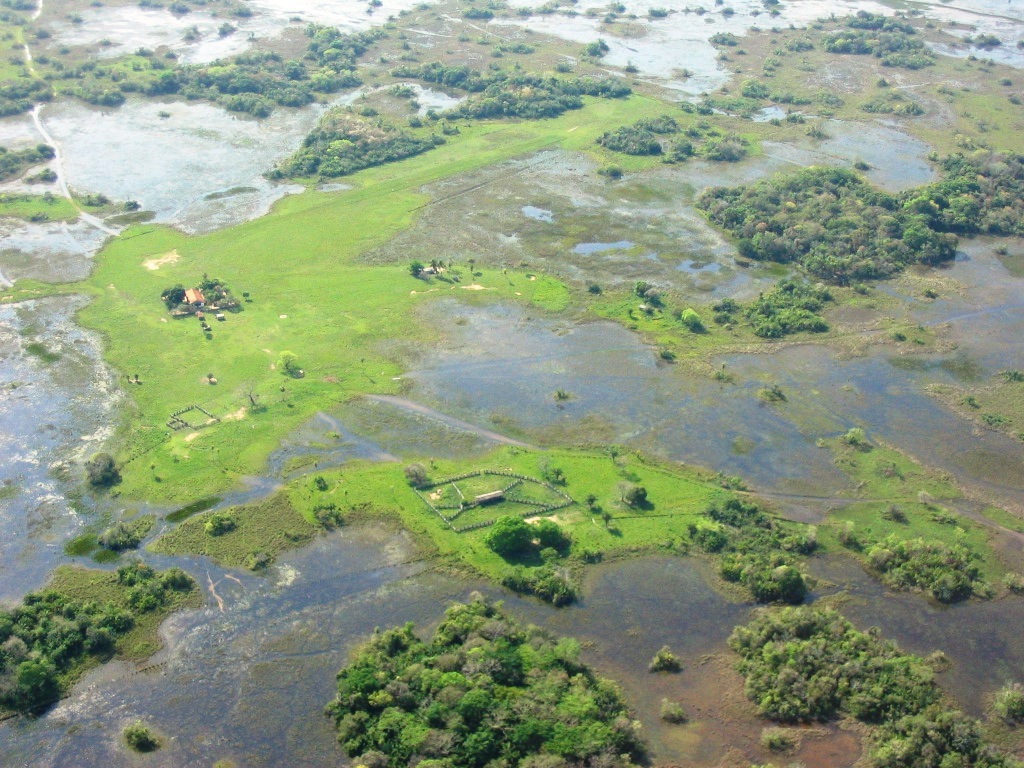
(15, 162)
(249, 536)
(126, 534)
(482, 688)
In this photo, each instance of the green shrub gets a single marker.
(140, 738)
(1009, 703)
(219, 523)
(665, 661)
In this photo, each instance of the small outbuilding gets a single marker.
(195, 297)
(489, 498)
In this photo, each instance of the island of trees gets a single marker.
(484, 688)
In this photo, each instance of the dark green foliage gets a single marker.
(481, 689)
(804, 664)
(17, 96)
(255, 82)
(50, 633)
(641, 138)
(1009, 703)
(631, 140)
(979, 194)
(893, 41)
(344, 143)
(757, 551)
(219, 523)
(828, 220)
(810, 663)
(499, 94)
(634, 495)
(938, 737)
(947, 572)
(126, 534)
(172, 297)
(510, 536)
(140, 738)
(14, 163)
(550, 584)
(665, 661)
(791, 307)
(101, 471)
(550, 534)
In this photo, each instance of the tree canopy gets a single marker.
(483, 688)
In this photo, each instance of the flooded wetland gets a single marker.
(434, 253)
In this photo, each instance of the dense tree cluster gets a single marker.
(948, 573)
(806, 663)
(548, 582)
(50, 633)
(344, 143)
(809, 663)
(641, 138)
(893, 41)
(665, 136)
(756, 550)
(830, 221)
(980, 193)
(792, 306)
(512, 536)
(15, 162)
(484, 689)
(500, 93)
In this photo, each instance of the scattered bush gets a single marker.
(673, 712)
(219, 523)
(665, 661)
(1009, 703)
(140, 738)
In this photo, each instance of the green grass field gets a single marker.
(309, 296)
(367, 491)
(37, 208)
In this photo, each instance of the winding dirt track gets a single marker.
(411, 405)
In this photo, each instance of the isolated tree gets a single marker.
(509, 536)
(102, 471)
(416, 474)
(634, 495)
(289, 363)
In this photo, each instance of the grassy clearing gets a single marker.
(904, 499)
(999, 405)
(143, 640)
(261, 531)
(308, 296)
(37, 207)
(367, 491)
(880, 472)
